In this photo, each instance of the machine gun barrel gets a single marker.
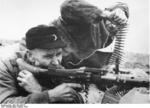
(84, 76)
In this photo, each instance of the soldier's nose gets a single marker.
(55, 62)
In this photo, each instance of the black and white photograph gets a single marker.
(74, 52)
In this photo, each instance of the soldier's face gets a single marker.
(45, 58)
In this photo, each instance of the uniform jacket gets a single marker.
(10, 91)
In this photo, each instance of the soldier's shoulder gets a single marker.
(8, 56)
(8, 53)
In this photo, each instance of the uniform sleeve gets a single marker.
(9, 92)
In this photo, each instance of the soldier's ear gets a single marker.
(28, 54)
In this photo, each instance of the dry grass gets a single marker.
(136, 60)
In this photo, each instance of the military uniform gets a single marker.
(10, 91)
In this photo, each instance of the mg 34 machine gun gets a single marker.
(100, 76)
(111, 78)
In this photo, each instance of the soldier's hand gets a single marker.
(64, 93)
(28, 82)
(118, 16)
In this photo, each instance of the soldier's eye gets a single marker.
(49, 56)
(58, 54)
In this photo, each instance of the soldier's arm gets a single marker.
(9, 92)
